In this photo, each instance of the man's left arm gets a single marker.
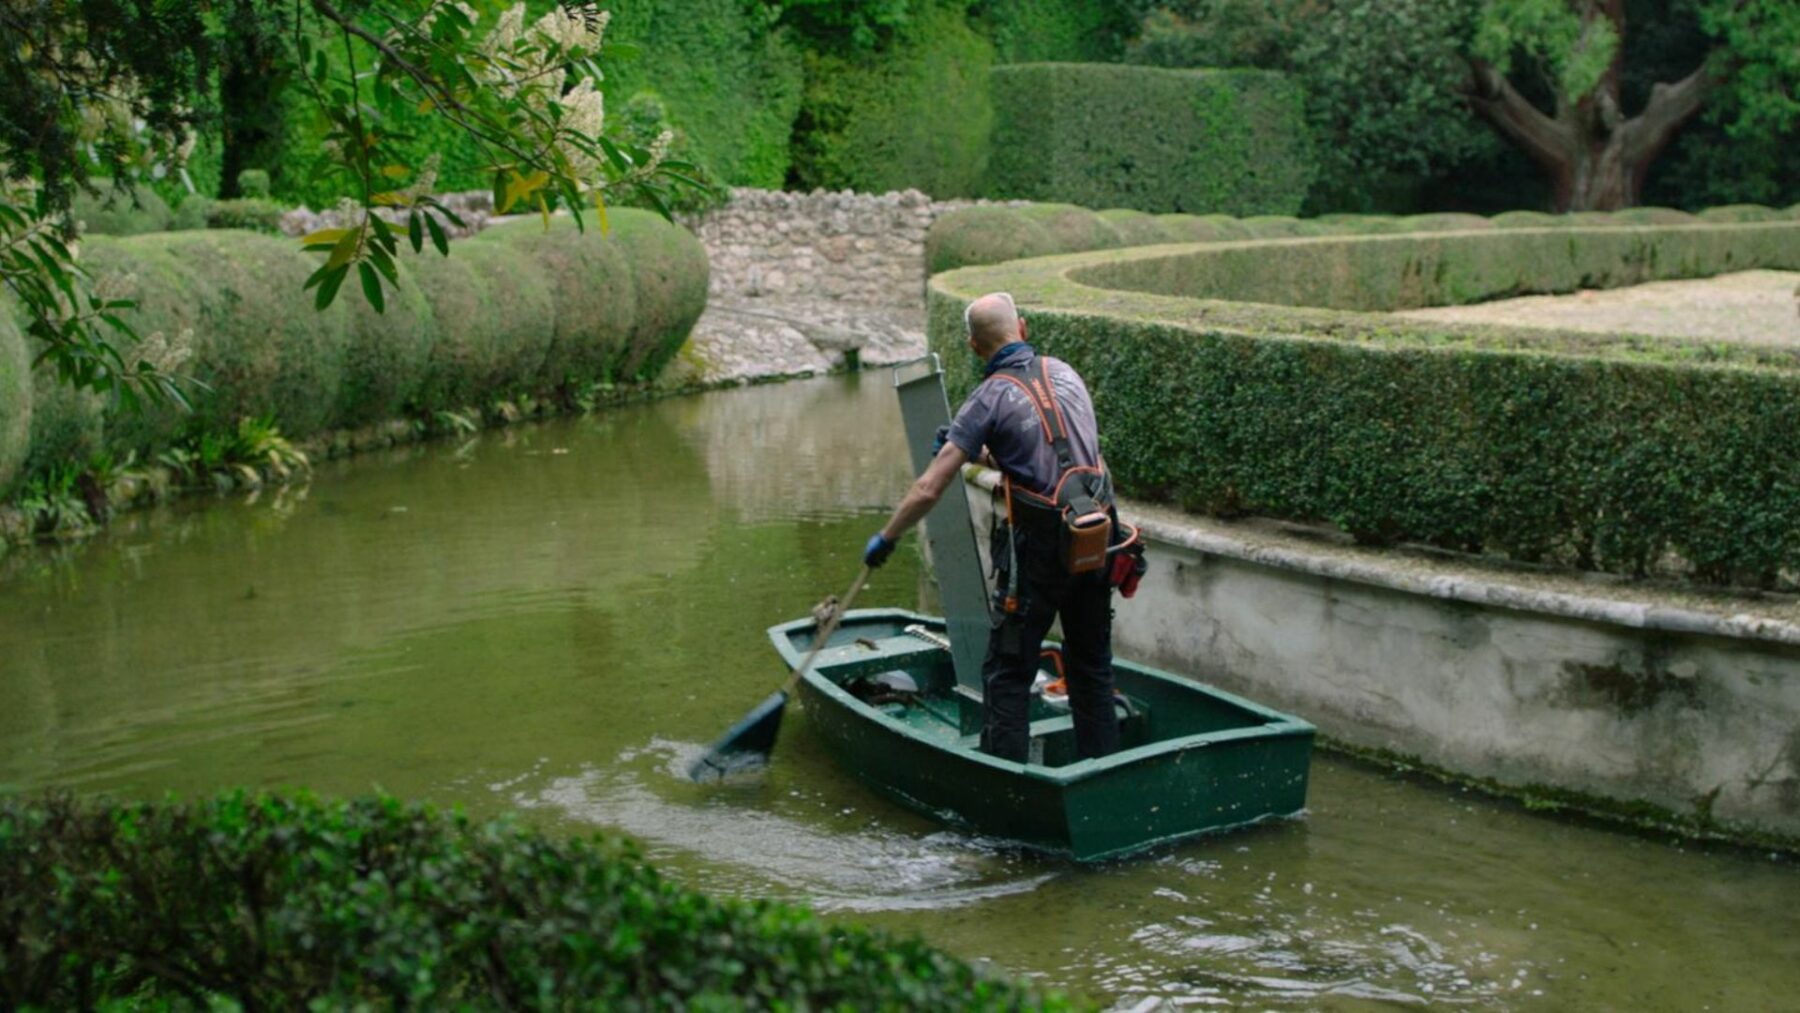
(924, 494)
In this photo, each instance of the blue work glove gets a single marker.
(938, 441)
(877, 551)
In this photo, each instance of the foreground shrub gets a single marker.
(1227, 140)
(271, 901)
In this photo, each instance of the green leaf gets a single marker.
(328, 287)
(438, 238)
(384, 262)
(371, 286)
(415, 231)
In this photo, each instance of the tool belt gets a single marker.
(1077, 511)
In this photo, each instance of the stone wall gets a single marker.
(846, 247)
(1538, 683)
(802, 282)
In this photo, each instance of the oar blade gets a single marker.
(744, 745)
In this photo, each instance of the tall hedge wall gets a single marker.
(1609, 453)
(516, 309)
(914, 114)
(1110, 135)
(730, 83)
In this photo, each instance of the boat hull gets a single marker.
(1199, 761)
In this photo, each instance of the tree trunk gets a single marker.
(1596, 158)
(252, 79)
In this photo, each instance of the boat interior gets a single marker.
(902, 668)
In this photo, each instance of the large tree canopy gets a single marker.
(1548, 75)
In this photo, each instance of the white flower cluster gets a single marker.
(528, 64)
(424, 185)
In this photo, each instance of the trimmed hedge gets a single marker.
(517, 309)
(15, 399)
(1028, 31)
(1231, 141)
(265, 901)
(492, 312)
(1398, 272)
(915, 114)
(990, 234)
(1602, 452)
(113, 212)
(730, 84)
(254, 214)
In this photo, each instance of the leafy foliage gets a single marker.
(265, 900)
(726, 79)
(1599, 452)
(1568, 52)
(1076, 31)
(914, 114)
(1227, 141)
(111, 83)
(241, 456)
(1377, 75)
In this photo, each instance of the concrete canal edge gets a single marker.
(1659, 706)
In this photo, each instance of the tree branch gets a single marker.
(1493, 96)
(448, 102)
(1670, 107)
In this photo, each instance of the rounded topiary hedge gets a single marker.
(1223, 386)
(493, 319)
(670, 274)
(518, 309)
(115, 211)
(269, 901)
(15, 399)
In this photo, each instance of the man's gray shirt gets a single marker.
(1000, 416)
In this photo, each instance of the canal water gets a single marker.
(552, 619)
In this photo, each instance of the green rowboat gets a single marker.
(884, 696)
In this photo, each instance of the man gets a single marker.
(1018, 436)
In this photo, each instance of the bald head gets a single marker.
(992, 322)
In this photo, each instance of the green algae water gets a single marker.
(555, 619)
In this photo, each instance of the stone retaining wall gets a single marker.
(1538, 684)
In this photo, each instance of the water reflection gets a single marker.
(552, 618)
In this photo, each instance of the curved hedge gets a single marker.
(991, 234)
(1234, 141)
(1603, 452)
(265, 901)
(516, 309)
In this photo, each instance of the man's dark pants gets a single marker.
(1085, 605)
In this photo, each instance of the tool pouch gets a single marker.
(1087, 530)
(1125, 562)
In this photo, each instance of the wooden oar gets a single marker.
(749, 742)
